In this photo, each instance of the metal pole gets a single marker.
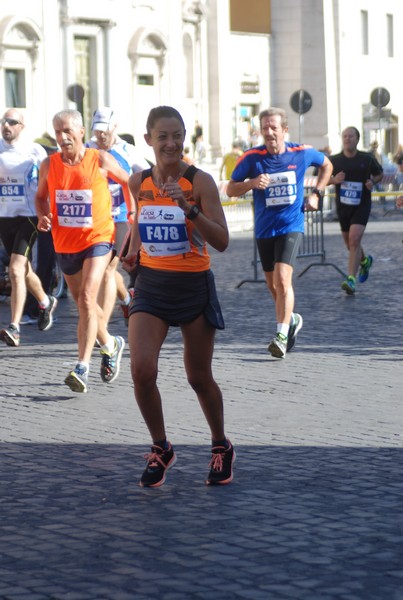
(301, 123)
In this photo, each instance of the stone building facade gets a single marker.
(218, 61)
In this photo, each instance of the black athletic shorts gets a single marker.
(353, 215)
(177, 297)
(71, 263)
(19, 235)
(281, 248)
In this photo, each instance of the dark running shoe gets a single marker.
(77, 380)
(220, 465)
(10, 335)
(278, 346)
(45, 319)
(110, 364)
(365, 266)
(295, 328)
(158, 463)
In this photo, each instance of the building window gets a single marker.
(389, 35)
(145, 79)
(84, 56)
(364, 32)
(15, 88)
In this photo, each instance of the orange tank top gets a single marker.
(80, 202)
(169, 241)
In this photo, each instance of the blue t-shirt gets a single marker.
(119, 209)
(279, 209)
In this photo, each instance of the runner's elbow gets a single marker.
(222, 243)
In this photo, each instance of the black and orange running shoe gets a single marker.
(221, 465)
(158, 463)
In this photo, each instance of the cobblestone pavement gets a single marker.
(316, 507)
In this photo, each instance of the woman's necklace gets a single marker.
(161, 184)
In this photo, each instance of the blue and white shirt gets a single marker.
(19, 172)
(278, 209)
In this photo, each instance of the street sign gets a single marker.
(380, 97)
(75, 93)
(301, 102)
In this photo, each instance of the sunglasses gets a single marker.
(11, 122)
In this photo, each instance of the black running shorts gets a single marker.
(177, 297)
(279, 249)
(353, 215)
(19, 235)
(72, 263)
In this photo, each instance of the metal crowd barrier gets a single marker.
(239, 214)
(381, 199)
(240, 210)
(313, 241)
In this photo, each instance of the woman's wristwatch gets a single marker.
(193, 212)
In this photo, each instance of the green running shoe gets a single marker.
(295, 328)
(278, 346)
(365, 266)
(348, 285)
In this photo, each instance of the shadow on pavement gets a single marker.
(297, 522)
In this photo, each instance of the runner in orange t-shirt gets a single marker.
(74, 202)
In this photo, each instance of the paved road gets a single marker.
(316, 507)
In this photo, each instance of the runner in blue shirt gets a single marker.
(104, 125)
(275, 174)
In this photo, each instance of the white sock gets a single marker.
(110, 346)
(283, 328)
(84, 365)
(45, 302)
(126, 301)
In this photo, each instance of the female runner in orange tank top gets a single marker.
(178, 212)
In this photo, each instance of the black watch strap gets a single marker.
(193, 213)
(319, 193)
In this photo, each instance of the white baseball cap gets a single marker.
(103, 119)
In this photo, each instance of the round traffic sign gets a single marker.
(380, 97)
(301, 102)
(75, 93)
